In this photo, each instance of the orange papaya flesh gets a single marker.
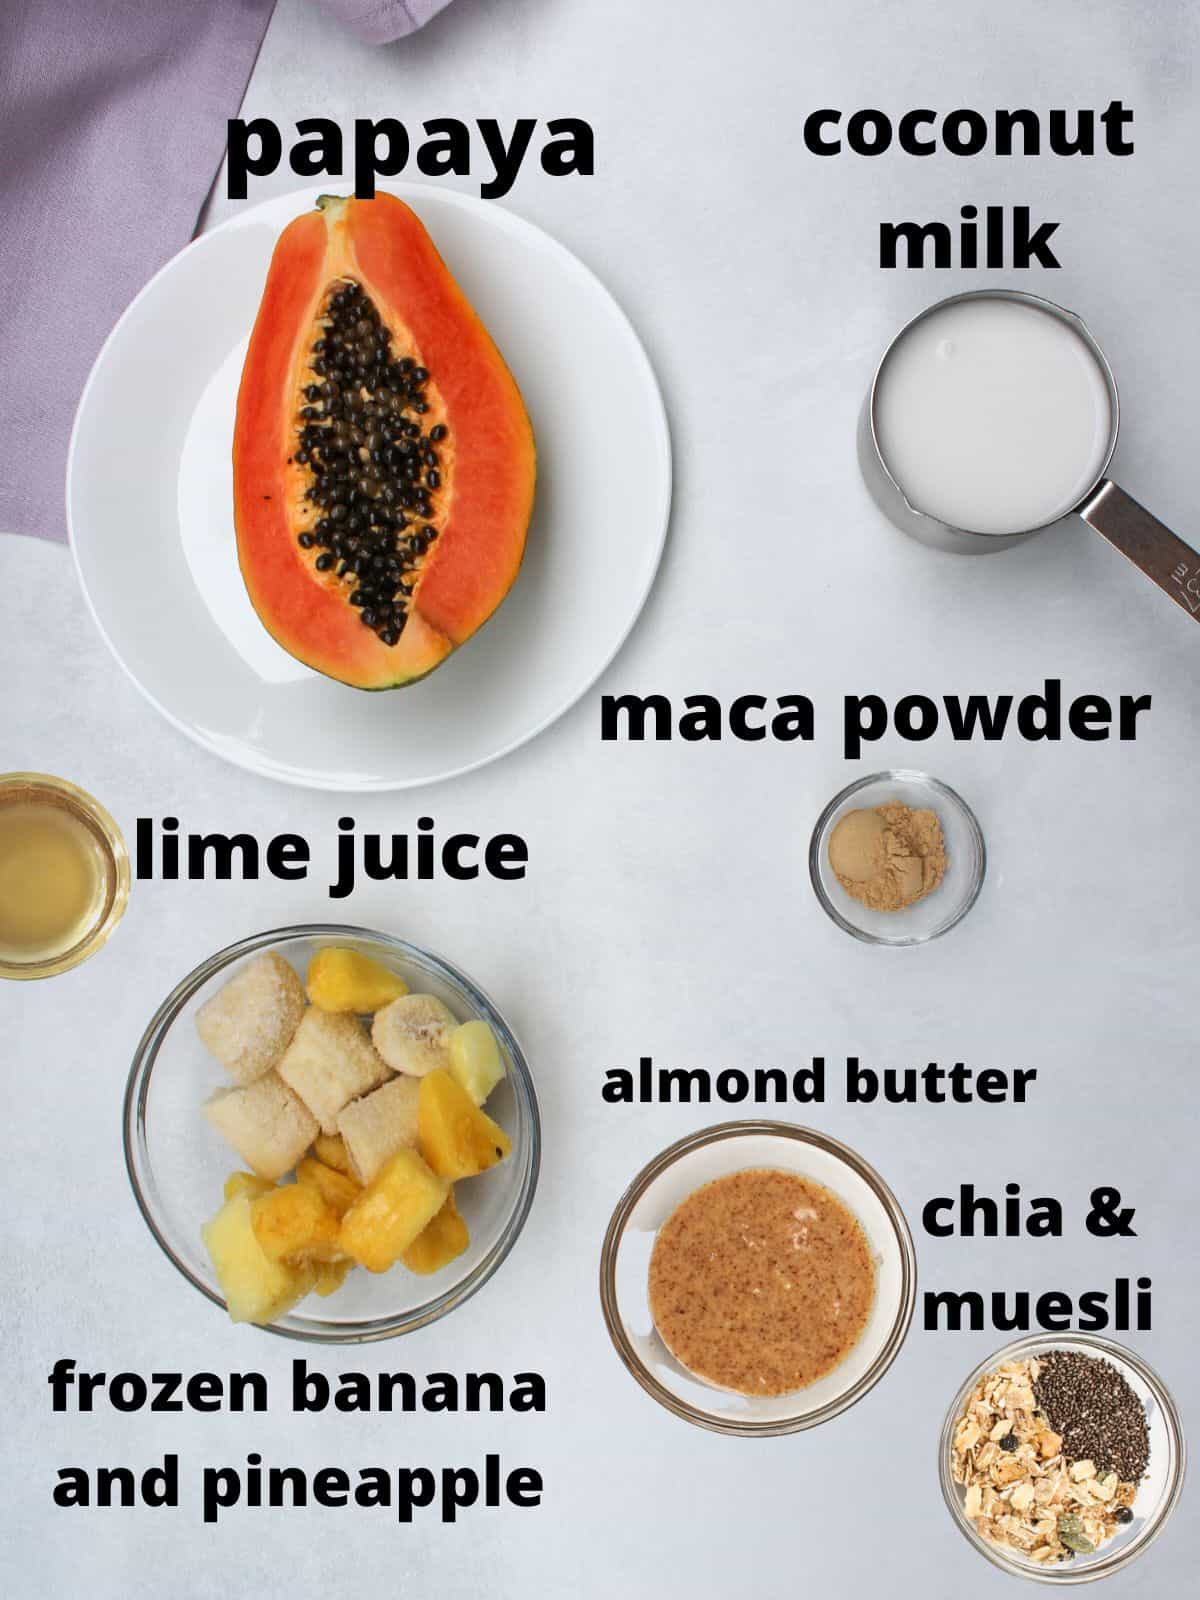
(379, 593)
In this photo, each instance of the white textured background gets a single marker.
(667, 908)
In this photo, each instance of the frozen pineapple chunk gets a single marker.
(413, 1034)
(249, 1022)
(331, 1149)
(475, 1059)
(268, 1126)
(337, 1190)
(439, 1242)
(393, 1209)
(379, 1124)
(330, 1062)
(295, 1224)
(345, 980)
(331, 1276)
(246, 1183)
(456, 1138)
(256, 1289)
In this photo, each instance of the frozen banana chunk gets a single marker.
(330, 1062)
(378, 1125)
(249, 1022)
(268, 1126)
(412, 1034)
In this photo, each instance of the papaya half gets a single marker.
(383, 461)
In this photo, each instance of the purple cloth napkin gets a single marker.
(381, 21)
(113, 115)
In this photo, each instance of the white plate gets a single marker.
(149, 507)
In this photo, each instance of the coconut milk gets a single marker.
(993, 415)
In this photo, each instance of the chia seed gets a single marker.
(1101, 1420)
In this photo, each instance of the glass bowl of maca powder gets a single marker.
(1062, 1457)
(897, 858)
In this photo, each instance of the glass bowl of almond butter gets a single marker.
(307, 1139)
(757, 1278)
(1062, 1457)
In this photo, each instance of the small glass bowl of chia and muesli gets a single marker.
(1062, 1457)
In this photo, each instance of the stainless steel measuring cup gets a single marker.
(1127, 525)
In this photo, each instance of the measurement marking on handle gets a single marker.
(1187, 579)
(1162, 555)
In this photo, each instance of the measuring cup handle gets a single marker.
(1147, 542)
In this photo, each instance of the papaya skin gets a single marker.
(488, 458)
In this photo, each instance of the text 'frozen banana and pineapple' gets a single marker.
(370, 1098)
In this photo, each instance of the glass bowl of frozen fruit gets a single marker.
(332, 1133)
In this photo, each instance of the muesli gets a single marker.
(1024, 1490)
